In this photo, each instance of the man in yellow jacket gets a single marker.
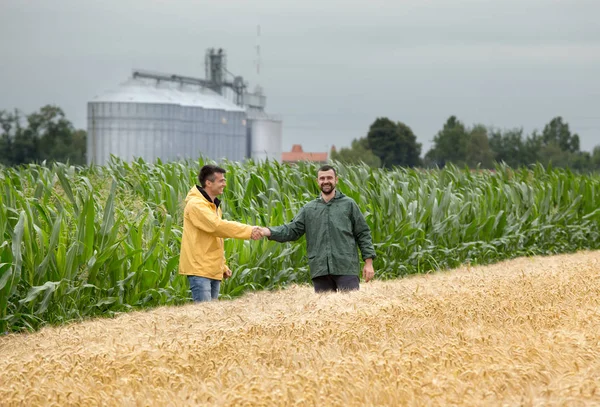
(202, 257)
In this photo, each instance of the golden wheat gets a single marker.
(522, 332)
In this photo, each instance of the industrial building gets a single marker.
(171, 117)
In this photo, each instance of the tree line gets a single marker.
(47, 135)
(388, 144)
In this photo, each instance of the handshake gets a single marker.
(258, 232)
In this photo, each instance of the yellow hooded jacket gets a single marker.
(202, 252)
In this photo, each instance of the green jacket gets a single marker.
(334, 230)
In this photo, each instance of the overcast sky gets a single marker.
(328, 67)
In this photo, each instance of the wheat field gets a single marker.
(521, 332)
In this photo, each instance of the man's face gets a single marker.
(217, 186)
(327, 181)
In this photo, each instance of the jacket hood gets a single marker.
(198, 192)
(194, 194)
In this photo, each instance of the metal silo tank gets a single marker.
(167, 121)
(214, 126)
(134, 120)
(265, 135)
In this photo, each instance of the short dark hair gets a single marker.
(327, 167)
(208, 173)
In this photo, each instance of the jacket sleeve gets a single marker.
(362, 233)
(207, 220)
(290, 231)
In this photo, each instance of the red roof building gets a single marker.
(297, 154)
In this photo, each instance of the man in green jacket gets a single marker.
(335, 228)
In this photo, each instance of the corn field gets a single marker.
(96, 241)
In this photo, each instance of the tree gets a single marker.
(6, 150)
(19, 145)
(408, 153)
(581, 161)
(558, 133)
(450, 144)
(79, 147)
(10, 126)
(45, 135)
(357, 153)
(508, 147)
(553, 154)
(478, 148)
(595, 159)
(533, 147)
(59, 141)
(394, 143)
(556, 145)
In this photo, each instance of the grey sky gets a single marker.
(329, 67)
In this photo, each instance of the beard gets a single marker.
(327, 188)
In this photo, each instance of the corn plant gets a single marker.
(94, 241)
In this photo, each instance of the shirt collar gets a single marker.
(336, 196)
(217, 201)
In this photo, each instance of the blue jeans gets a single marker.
(204, 289)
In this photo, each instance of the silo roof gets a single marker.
(140, 90)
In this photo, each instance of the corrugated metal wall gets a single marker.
(265, 139)
(265, 135)
(163, 130)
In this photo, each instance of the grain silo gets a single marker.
(143, 118)
(264, 129)
(172, 117)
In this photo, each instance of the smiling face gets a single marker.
(216, 187)
(327, 181)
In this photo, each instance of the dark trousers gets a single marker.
(335, 283)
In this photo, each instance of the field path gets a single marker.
(521, 332)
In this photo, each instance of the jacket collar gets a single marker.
(337, 195)
(217, 201)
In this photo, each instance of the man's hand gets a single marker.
(266, 232)
(226, 273)
(259, 232)
(368, 270)
(256, 233)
